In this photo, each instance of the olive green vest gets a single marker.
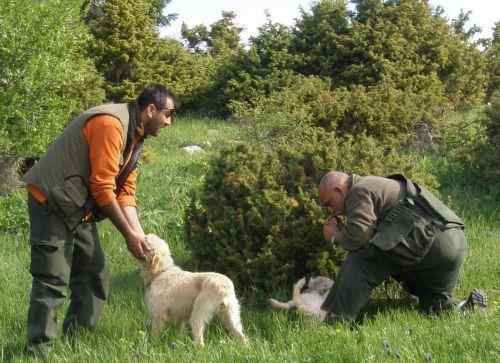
(69, 154)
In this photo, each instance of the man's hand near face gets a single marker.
(332, 227)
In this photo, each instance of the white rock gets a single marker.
(191, 149)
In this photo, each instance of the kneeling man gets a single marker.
(396, 228)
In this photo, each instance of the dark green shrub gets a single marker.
(187, 74)
(493, 61)
(322, 40)
(383, 111)
(405, 49)
(222, 37)
(212, 54)
(283, 115)
(488, 150)
(407, 42)
(469, 146)
(256, 218)
(264, 68)
(391, 115)
(125, 46)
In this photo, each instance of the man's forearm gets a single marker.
(352, 237)
(136, 241)
(116, 215)
(130, 213)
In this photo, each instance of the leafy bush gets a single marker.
(188, 75)
(469, 146)
(382, 111)
(283, 115)
(212, 54)
(13, 212)
(493, 61)
(44, 79)
(244, 74)
(125, 45)
(257, 219)
(222, 37)
(488, 151)
(405, 41)
(430, 65)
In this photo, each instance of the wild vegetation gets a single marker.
(166, 184)
(391, 86)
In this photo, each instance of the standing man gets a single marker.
(394, 228)
(88, 174)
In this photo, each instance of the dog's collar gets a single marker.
(148, 285)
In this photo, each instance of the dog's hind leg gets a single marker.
(296, 291)
(203, 310)
(230, 310)
(275, 304)
(292, 304)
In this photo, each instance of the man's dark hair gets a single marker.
(157, 94)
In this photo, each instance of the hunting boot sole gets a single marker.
(476, 298)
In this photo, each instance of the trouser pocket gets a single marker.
(50, 240)
(51, 263)
(50, 268)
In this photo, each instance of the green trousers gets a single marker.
(62, 259)
(432, 280)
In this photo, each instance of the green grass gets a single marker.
(163, 192)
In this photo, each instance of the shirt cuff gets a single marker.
(105, 198)
(126, 200)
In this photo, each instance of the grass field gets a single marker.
(391, 330)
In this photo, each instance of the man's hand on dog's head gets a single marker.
(137, 245)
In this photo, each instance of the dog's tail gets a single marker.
(296, 291)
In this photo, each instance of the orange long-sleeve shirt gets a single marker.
(104, 136)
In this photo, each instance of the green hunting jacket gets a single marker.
(394, 212)
(368, 201)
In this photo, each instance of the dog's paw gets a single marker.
(273, 304)
(245, 342)
(300, 284)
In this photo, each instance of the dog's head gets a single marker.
(320, 284)
(158, 258)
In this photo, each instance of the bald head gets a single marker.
(333, 189)
(333, 179)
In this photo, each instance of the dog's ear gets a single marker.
(155, 264)
(324, 286)
(322, 289)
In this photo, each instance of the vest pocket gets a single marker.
(405, 236)
(69, 199)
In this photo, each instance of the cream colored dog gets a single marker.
(174, 295)
(310, 300)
